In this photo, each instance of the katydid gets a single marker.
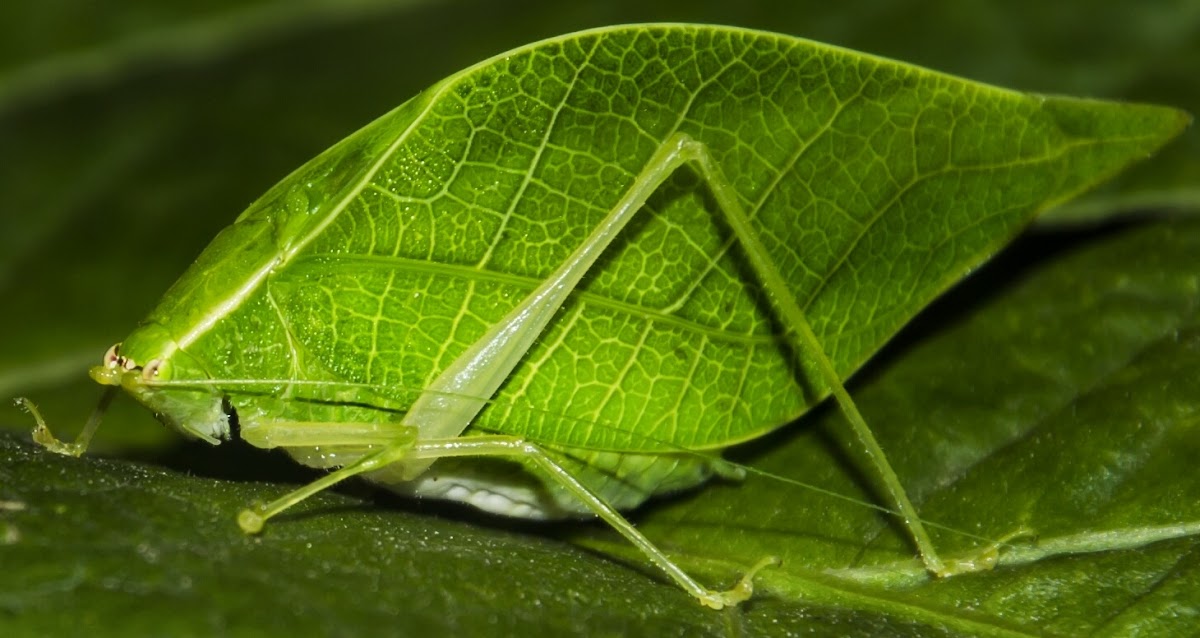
(516, 253)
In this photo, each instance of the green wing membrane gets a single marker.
(875, 185)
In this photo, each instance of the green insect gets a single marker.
(562, 281)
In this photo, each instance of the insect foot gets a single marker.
(987, 558)
(741, 592)
(41, 432)
(43, 437)
(250, 521)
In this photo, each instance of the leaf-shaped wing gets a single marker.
(875, 185)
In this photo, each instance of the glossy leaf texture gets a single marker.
(873, 185)
(1056, 393)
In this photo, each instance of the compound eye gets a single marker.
(112, 358)
(150, 370)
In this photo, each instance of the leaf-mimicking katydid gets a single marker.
(563, 280)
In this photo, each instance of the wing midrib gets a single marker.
(311, 267)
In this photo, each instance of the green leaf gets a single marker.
(123, 549)
(1059, 396)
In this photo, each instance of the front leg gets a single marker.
(383, 445)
